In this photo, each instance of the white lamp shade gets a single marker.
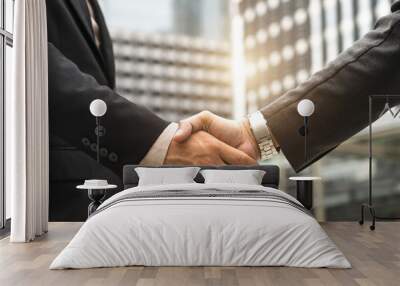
(305, 107)
(98, 107)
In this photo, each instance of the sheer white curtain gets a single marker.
(27, 124)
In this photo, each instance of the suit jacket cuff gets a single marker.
(157, 153)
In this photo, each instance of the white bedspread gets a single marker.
(185, 231)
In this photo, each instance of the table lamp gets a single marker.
(97, 188)
(304, 191)
(306, 108)
(98, 108)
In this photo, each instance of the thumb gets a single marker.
(184, 131)
(187, 127)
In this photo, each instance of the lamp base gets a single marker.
(97, 197)
(371, 211)
(304, 193)
(374, 217)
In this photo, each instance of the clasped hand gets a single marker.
(208, 139)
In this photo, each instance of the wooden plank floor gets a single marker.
(375, 257)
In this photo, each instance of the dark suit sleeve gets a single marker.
(131, 129)
(341, 95)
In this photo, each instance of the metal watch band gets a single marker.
(260, 130)
(267, 150)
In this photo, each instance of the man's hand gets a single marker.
(234, 133)
(202, 148)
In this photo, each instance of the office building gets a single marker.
(175, 76)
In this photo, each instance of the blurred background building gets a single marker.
(174, 76)
(276, 48)
(253, 51)
(182, 65)
(284, 42)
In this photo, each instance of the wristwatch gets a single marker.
(259, 127)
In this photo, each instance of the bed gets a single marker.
(201, 224)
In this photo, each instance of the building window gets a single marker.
(6, 44)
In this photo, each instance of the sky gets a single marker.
(157, 16)
(138, 15)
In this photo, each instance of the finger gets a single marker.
(191, 125)
(184, 131)
(233, 156)
(200, 121)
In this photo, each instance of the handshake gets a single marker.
(207, 139)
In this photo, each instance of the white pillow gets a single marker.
(247, 177)
(166, 176)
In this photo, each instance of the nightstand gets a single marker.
(96, 192)
(304, 192)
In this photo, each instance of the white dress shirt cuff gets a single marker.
(157, 153)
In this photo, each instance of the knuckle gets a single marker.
(205, 113)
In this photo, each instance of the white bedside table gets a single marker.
(96, 192)
(304, 191)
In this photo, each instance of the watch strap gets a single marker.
(259, 127)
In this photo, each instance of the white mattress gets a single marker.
(192, 231)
